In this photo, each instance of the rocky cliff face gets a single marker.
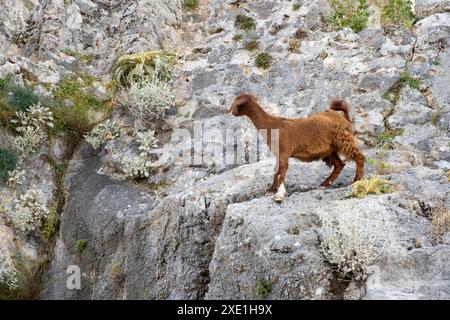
(207, 231)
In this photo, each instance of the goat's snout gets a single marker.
(233, 110)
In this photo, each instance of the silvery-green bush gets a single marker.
(140, 166)
(8, 275)
(151, 96)
(31, 126)
(108, 130)
(27, 212)
(351, 240)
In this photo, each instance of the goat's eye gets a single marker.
(240, 107)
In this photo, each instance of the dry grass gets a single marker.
(294, 45)
(440, 219)
(30, 279)
(374, 185)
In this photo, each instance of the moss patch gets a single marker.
(245, 23)
(263, 60)
(251, 45)
(190, 4)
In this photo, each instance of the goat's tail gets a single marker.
(341, 105)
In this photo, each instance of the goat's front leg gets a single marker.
(278, 179)
(274, 186)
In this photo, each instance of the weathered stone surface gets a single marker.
(208, 231)
(425, 8)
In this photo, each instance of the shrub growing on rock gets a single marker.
(349, 13)
(81, 245)
(244, 23)
(8, 162)
(150, 97)
(251, 45)
(76, 104)
(13, 98)
(398, 12)
(191, 4)
(19, 98)
(31, 127)
(140, 166)
(135, 67)
(374, 185)
(350, 241)
(263, 60)
(102, 133)
(440, 219)
(29, 278)
(8, 277)
(27, 212)
(237, 37)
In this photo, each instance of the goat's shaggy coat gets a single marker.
(325, 135)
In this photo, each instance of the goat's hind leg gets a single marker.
(337, 164)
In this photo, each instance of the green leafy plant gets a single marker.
(191, 4)
(8, 162)
(263, 60)
(295, 6)
(84, 57)
(349, 13)
(237, 37)
(251, 45)
(50, 225)
(393, 94)
(15, 97)
(386, 138)
(75, 105)
(245, 23)
(134, 67)
(380, 167)
(263, 287)
(407, 79)
(398, 12)
(81, 245)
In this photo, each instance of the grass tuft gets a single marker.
(263, 60)
(190, 4)
(398, 12)
(8, 162)
(251, 45)
(245, 23)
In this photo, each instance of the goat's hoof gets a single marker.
(324, 186)
(278, 199)
(269, 193)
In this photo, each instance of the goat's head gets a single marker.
(242, 104)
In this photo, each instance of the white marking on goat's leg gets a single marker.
(281, 193)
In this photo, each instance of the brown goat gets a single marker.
(324, 135)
